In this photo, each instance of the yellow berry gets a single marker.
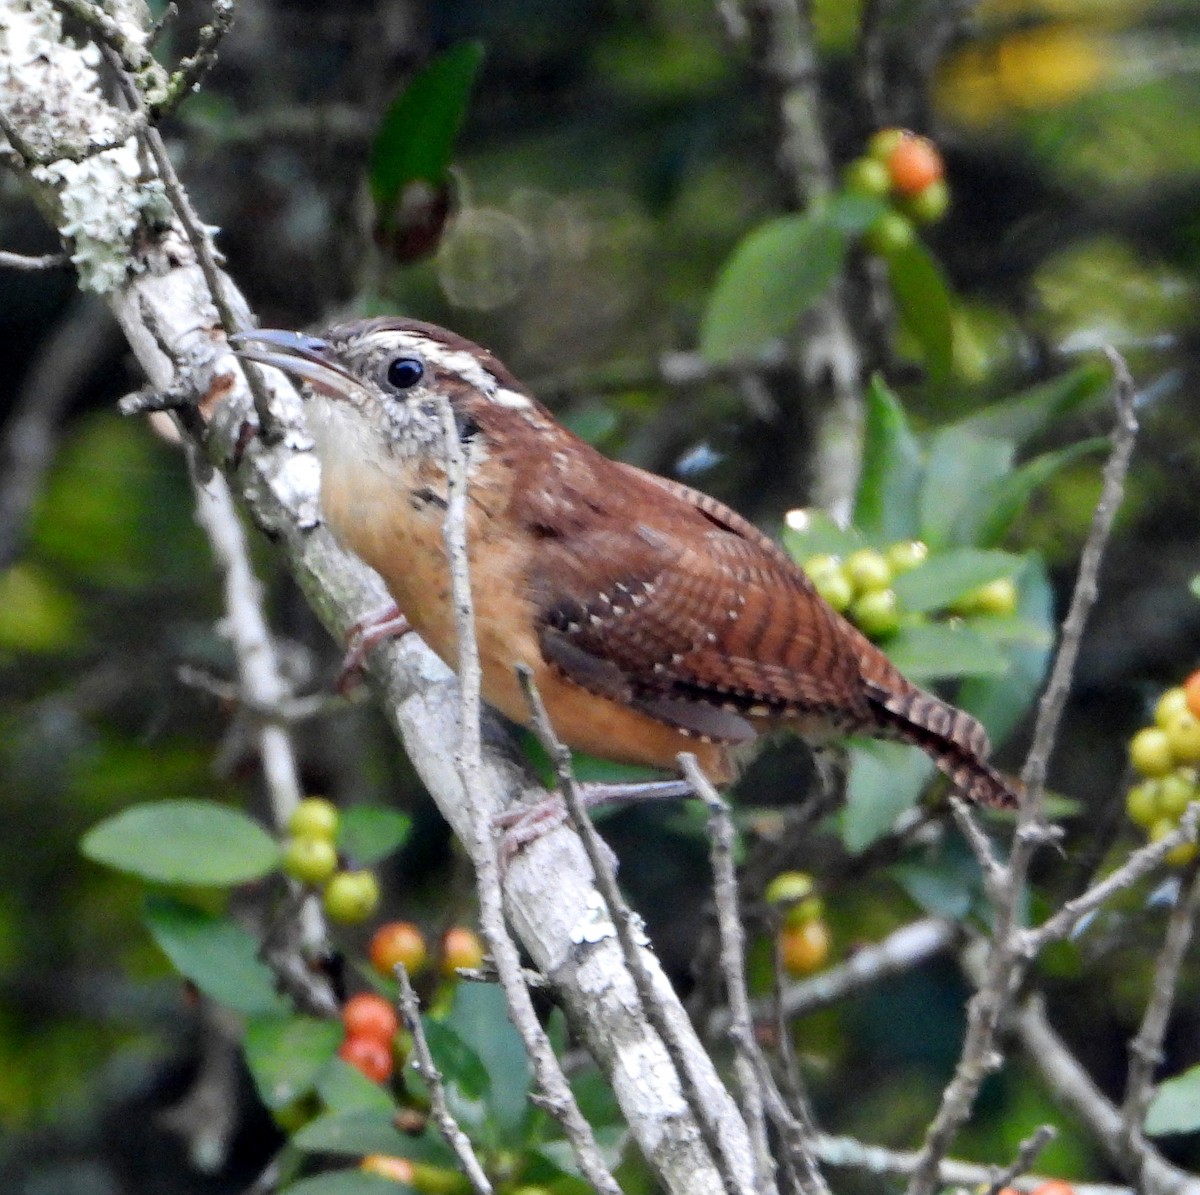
(997, 598)
(868, 570)
(928, 206)
(1170, 705)
(884, 141)
(314, 817)
(1179, 855)
(351, 896)
(821, 565)
(1183, 735)
(1150, 752)
(904, 556)
(867, 176)
(794, 890)
(877, 613)
(310, 860)
(835, 588)
(1176, 792)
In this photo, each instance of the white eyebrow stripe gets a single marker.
(468, 366)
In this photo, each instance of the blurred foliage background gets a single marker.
(614, 154)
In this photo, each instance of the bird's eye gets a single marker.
(405, 372)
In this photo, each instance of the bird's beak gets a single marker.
(306, 357)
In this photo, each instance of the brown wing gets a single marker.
(666, 599)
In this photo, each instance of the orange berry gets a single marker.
(369, 1015)
(914, 163)
(461, 947)
(1191, 688)
(369, 1055)
(398, 942)
(387, 1166)
(1056, 1186)
(804, 948)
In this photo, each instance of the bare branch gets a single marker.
(191, 70)
(24, 262)
(1145, 1051)
(1027, 1151)
(424, 1065)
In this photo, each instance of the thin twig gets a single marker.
(748, 1062)
(424, 1065)
(1007, 958)
(1027, 1152)
(1145, 1050)
(628, 928)
(190, 72)
(556, 1095)
(23, 261)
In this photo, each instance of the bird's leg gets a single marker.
(527, 823)
(385, 622)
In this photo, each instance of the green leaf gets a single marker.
(1175, 1107)
(1015, 630)
(219, 957)
(287, 1054)
(368, 833)
(480, 1017)
(776, 274)
(461, 1067)
(184, 842)
(1008, 496)
(417, 135)
(344, 1088)
(923, 300)
(363, 1132)
(1025, 416)
(885, 507)
(959, 469)
(853, 214)
(885, 780)
(934, 650)
(347, 1182)
(818, 535)
(1000, 702)
(944, 578)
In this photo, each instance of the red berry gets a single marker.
(1191, 687)
(1056, 1186)
(914, 163)
(369, 1015)
(398, 942)
(369, 1055)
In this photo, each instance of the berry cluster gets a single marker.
(1167, 756)
(803, 937)
(310, 856)
(860, 586)
(907, 170)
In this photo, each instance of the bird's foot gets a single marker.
(386, 622)
(527, 823)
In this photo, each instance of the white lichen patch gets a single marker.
(49, 89)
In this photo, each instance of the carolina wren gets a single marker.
(654, 619)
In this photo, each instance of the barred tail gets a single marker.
(955, 741)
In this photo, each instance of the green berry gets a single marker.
(876, 614)
(836, 589)
(906, 555)
(868, 571)
(883, 142)
(1150, 752)
(310, 860)
(928, 206)
(794, 891)
(351, 896)
(890, 234)
(1176, 792)
(314, 817)
(866, 176)
(821, 565)
(1142, 803)
(1183, 735)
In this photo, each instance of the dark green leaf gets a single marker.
(853, 214)
(1015, 630)
(363, 1132)
(416, 137)
(219, 957)
(368, 833)
(959, 469)
(344, 1088)
(819, 535)
(347, 1182)
(184, 842)
(886, 505)
(1175, 1107)
(923, 300)
(287, 1054)
(886, 779)
(776, 274)
(1021, 418)
(1001, 702)
(936, 650)
(946, 576)
(1008, 496)
(460, 1065)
